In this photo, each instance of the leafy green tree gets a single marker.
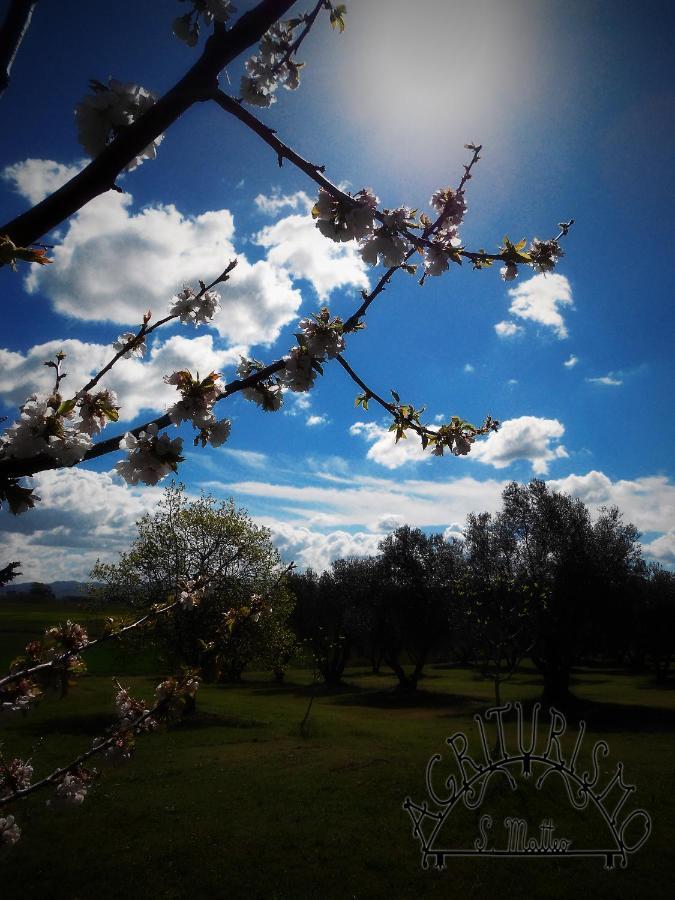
(244, 600)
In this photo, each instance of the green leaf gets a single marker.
(66, 407)
(111, 413)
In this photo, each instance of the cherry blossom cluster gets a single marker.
(195, 308)
(41, 429)
(96, 410)
(386, 237)
(321, 336)
(107, 111)
(272, 66)
(457, 436)
(10, 833)
(186, 27)
(197, 399)
(151, 456)
(71, 637)
(42, 665)
(74, 785)
(172, 694)
(266, 393)
(343, 221)
(18, 695)
(14, 775)
(542, 256)
(190, 595)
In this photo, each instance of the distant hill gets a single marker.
(60, 588)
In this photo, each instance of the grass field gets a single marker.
(236, 803)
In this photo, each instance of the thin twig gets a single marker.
(69, 654)
(77, 762)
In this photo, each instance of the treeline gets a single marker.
(538, 580)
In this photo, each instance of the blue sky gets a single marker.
(574, 105)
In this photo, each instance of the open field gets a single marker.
(235, 803)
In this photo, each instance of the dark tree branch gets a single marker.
(198, 84)
(12, 32)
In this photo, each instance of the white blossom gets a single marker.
(509, 272)
(219, 432)
(270, 68)
(93, 408)
(138, 350)
(299, 373)
(392, 249)
(435, 260)
(341, 221)
(320, 339)
(73, 789)
(193, 309)
(10, 832)
(104, 114)
(191, 596)
(16, 776)
(545, 255)
(150, 458)
(41, 430)
(451, 204)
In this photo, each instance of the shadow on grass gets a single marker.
(215, 720)
(392, 698)
(608, 718)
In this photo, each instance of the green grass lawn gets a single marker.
(235, 803)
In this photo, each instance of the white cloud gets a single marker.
(250, 458)
(540, 300)
(296, 246)
(272, 204)
(298, 404)
(389, 522)
(571, 362)
(82, 516)
(507, 329)
(35, 179)
(113, 264)
(609, 380)
(313, 421)
(455, 531)
(648, 502)
(356, 501)
(138, 383)
(662, 549)
(384, 450)
(527, 437)
(468, 368)
(313, 549)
